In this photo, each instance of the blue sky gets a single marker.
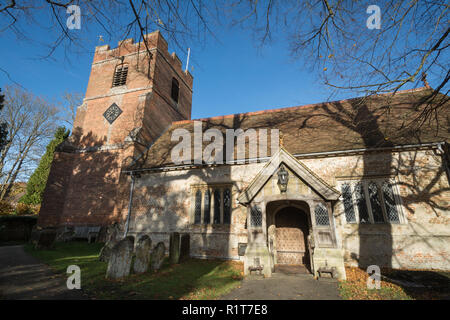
(231, 75)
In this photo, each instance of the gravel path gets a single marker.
(24, 277)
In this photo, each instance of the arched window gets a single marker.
(175, 90)
(120, 75)
(321, 214)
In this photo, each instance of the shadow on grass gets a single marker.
(421, 284)
(193, 279)
(396, 285)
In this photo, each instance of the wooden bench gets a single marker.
(82, 233)
(256, 267)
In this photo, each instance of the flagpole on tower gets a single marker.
(187, 62)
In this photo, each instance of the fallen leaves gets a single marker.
(355, 288)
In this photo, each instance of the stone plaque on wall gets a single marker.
(241, 248)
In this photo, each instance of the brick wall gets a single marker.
(85, 184)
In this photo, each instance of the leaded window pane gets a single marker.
(375, 202)
(389, 202)
(348, 203)
(321, 214)
(206, 208)
(198, 207)
(217, 203)
(256, 217)
(361, 203)
(227, 206)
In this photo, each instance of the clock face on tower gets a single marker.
(112, 113)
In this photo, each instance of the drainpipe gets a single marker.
(133, 178)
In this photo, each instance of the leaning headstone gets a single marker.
(34, 238)
(46, 239)
(174, 248)
(142, 254)
(185, 247)
(119, 264)
(113, 237)
(102, 234)
(157, 256)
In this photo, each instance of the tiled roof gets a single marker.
(373, 122)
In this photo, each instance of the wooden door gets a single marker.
(291, 236)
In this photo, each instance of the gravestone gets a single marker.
(185, 247)
(46, 239)
(157, 256)
(34, 238)
(142, 254)
(113, 237)
(119, 264)
(174, 248)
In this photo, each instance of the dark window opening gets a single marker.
(217, 206)
(227, 206)
(198, 207)
(175, 90)
(206, 208)
(120, 75)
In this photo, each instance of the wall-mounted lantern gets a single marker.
(283, 178)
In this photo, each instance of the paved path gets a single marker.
(24, 277)
(285, 287)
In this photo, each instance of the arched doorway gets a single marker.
(291, 232)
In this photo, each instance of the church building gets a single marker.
(355, 182)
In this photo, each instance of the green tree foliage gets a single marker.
(36, 183)
(3, 125)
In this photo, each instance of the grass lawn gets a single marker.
(193, 279)
(434, 285)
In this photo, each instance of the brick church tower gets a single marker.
(131, 98)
